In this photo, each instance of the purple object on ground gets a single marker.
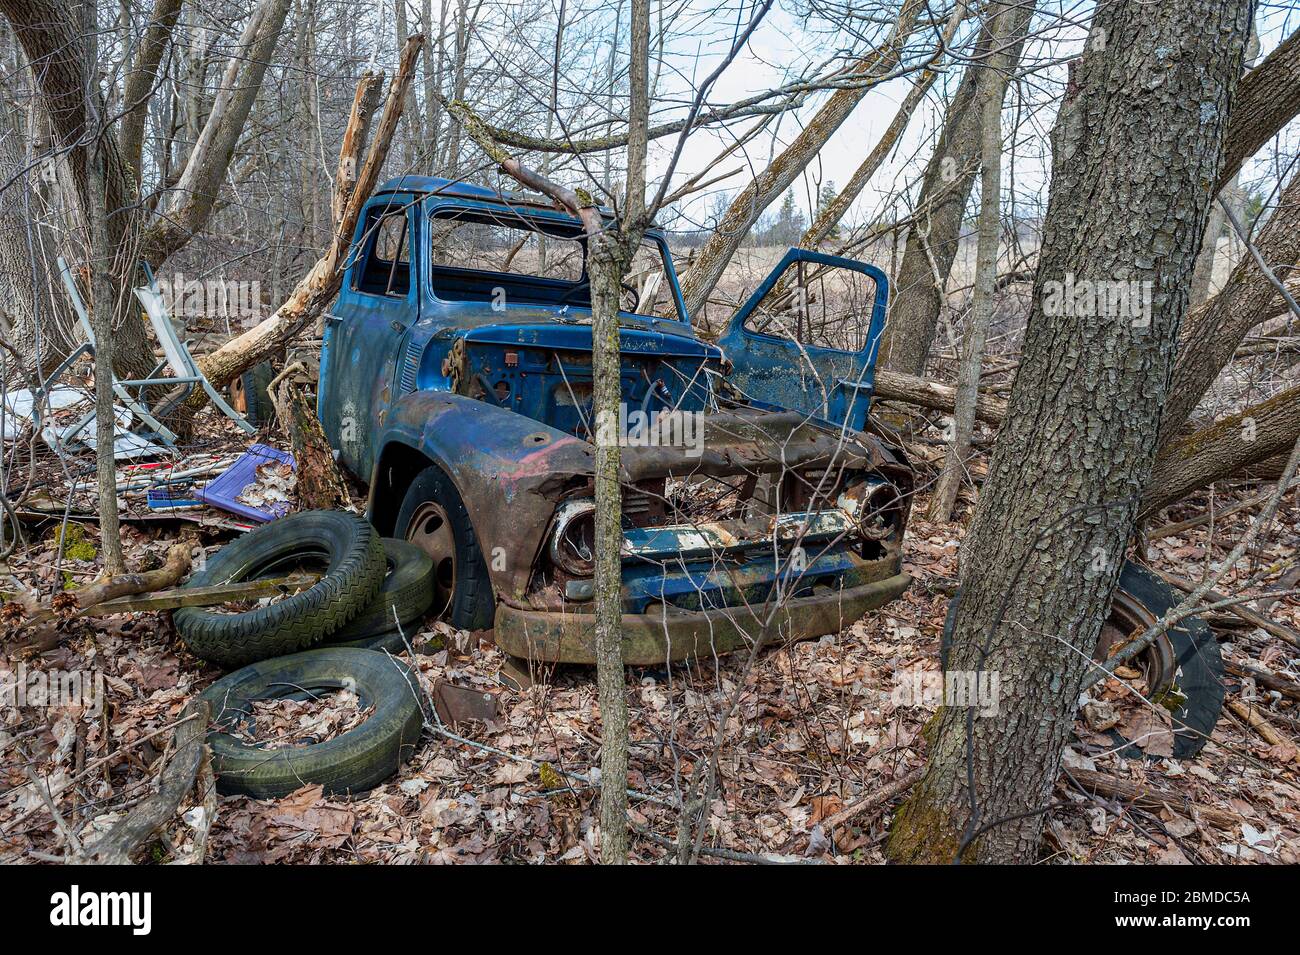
(224, 491)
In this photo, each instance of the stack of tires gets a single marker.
(369, 599)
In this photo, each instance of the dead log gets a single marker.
(75, 602)
(898, 386)
(320, 485)
(205, 596)
(116, 846)
(1144, 796)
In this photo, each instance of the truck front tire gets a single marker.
(434, 518)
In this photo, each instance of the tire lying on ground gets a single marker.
(403, 600)
(351, 762)
(1186, 665)
(342, 545)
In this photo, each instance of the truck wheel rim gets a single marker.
(431, 531)
(1128, 618)
(238, 397)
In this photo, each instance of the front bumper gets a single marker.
(659, 638)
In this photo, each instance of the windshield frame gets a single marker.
(547, 222)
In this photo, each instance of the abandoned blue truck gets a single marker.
(456, 379)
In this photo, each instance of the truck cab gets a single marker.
(456, 379)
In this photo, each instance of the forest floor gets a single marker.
(820, 725)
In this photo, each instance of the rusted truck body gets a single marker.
(758, 504)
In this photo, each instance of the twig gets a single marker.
(875, 799)
(46, 797)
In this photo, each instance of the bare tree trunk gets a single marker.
(1133, 161)
(50, 37)
(102, 300)
(945, 188)
(986, 276)
(605, 263)
(829, 216)
(1204, 272)
(610, 253)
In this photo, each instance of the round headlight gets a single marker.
(573, 542)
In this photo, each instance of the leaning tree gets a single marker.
(1137, 151)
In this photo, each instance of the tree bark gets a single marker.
(51, 40)
(1137, 152)
(35, 322)
(1223, 449)
(606, 264)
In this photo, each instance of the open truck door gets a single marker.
(806, 340)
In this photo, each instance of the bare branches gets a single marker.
(139, 83)
(578, 203)
(191, 201)
(323, 280)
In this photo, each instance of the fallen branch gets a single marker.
(1144, 796)
(1247, 670)
(1252, 717)
(175, 780)
(1254, 619)
(1169, 530)
(207, 596)
(76, 602)
(874, 800)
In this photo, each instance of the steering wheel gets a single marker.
(636, 296)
